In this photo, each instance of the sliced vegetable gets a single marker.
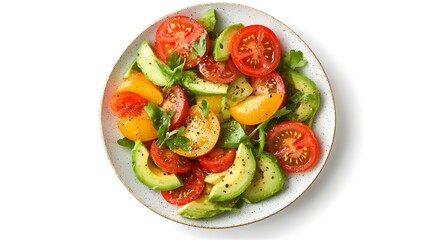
(175, 100)
(137, 128)
(221, 48)
(178, 34)
(256, 109)
(219, 72)
(208, 20)
(127, 104)
(149, 174)
(202, 133)
(191, 190)
(267, 84)
(137, 83)
(218, 159)
(169, 161)
(255, 50)
(294, 145)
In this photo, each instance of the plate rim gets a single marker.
(188, 7)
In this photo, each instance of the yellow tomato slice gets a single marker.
(256, 109)
(137, 128)
(202, 133)
(214, 102)
(137, 83)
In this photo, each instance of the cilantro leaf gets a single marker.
(205, 108)
(200, 46)
(125, 142)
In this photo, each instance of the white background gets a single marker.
(56, 181)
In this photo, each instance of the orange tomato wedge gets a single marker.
(202, 133)
(138, 83)
(256, 109)
(137, 128)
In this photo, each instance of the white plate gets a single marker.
(296, 184)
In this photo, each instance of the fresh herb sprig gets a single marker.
(161, 122)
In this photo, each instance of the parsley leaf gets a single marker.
(205, 108)
(292, 60)
(173, 60)
(175, 139)
(200, 46)
(161, 122)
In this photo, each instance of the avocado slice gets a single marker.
(238, 177)
(208, 20)
(238, 90)
(134, 68)
(304, 95)
(203, 208)
(267, 181)
(153, 68)
(149, 174)
(221, 49)
(200, 86)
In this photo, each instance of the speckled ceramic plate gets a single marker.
(296, 184)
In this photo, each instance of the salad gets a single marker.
(214, 121)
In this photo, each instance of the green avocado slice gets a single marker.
(149, 174)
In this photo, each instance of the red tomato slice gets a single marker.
(255, 50)
(175, 99)
(270, 83)
(191, 190)
(127, 104)
(218, 159)
(220, 72)
(294, 145)
(169, 161)
(178, 33)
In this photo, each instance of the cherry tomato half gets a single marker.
(178, 34)
(218, 159)
(255, 50)
(220, 72)
(175, 100)
(270, 83)
(191, 190)
(127, 104)
(294, 145)
(169, 161)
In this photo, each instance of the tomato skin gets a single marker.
(169, 161)
(256, 109)
(138, 83)
(255, 50)
(218, 159)
(219, 72)
(127, 104)
(202, 132)
(294, 145)
(191, 190)
(137, 128)
(178, 33)
(267, 84)
(175, 99)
